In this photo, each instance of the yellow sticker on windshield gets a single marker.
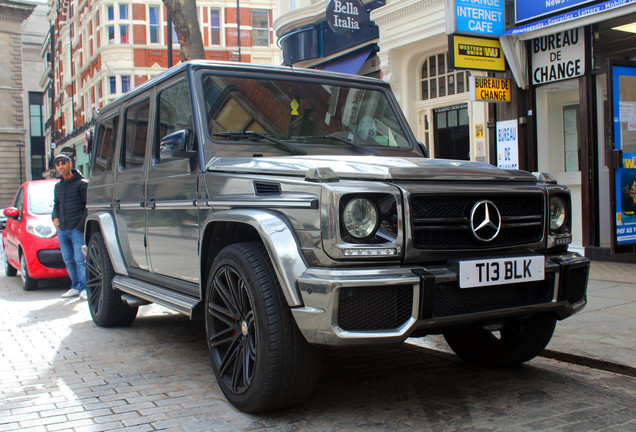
(294, 106)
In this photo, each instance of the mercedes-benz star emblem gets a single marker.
(485, 220)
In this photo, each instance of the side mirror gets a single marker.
(423, 148)
(89, 141)
(173, 147)
(11, 212)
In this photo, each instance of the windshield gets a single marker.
(40, 198)
(249, 116)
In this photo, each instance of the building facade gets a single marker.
(14, 136)
(100, 49)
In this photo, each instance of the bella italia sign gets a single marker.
(346, 17)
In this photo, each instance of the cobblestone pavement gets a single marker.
(59, 372)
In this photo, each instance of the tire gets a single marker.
(519, 340)
(28, 283)
(9, 270)
(261, 360)
(104, 302)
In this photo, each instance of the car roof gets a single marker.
(243, 67)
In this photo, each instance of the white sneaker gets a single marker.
(71, 293)
(83, 295)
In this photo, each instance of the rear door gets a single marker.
(129, 189)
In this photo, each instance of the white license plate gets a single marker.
(500, 271)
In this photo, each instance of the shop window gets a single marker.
(438, 79)
(571, 137)
(260, 28)
(215, 27)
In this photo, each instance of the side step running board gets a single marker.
(156, 294)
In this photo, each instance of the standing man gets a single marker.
(69, 215)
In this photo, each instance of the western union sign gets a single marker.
(477, 53)
(486, 89)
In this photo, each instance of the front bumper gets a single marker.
(370, 306)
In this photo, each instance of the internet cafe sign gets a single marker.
(346, 17)
(558, 56)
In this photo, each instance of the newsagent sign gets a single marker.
(558, 56)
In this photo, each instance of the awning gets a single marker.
(577, 18)
(349, 63)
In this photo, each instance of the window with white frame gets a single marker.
(439, 79)
(260, 28)
(153, 24)
(112, 84)
(118, 27)
(125, 84)
(215, 27)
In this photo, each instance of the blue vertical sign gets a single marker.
(624, 115)
(483, 17)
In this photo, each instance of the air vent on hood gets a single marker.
(265, 188)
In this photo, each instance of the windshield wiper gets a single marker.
(253, 135)
(346, 141)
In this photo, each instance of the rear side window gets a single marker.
(175, 114)
(134, 143)
(105, 145)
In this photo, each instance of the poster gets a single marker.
(507, 145)
(625, 205)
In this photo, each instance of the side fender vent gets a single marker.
(265, 188)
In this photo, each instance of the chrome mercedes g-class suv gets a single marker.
(293, 209)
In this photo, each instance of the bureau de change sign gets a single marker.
(558, 56)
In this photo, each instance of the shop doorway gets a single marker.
(559, 143)
(452, 134)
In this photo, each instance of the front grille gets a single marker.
(450, 300)
(443, 222)
(374, 308)
(51, 258)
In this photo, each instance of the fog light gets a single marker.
(371, 252)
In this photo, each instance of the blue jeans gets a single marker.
(71, 242)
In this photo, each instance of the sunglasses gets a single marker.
(61, 162)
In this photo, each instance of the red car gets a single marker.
(30, 238)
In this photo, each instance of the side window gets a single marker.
(105, 145)
(175, 114)
(134, 142)
(18, 201)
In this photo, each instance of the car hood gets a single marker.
(370, 168)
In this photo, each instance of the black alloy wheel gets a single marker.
(261, 360)
(104, 302)
(234, 330)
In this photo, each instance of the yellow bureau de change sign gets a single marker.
(477, 53)
(486, 89)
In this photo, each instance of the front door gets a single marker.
(171, 190)
(452, 135)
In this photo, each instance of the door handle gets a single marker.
(151, 204)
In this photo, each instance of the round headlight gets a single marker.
(557, 213)
(360, 217)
